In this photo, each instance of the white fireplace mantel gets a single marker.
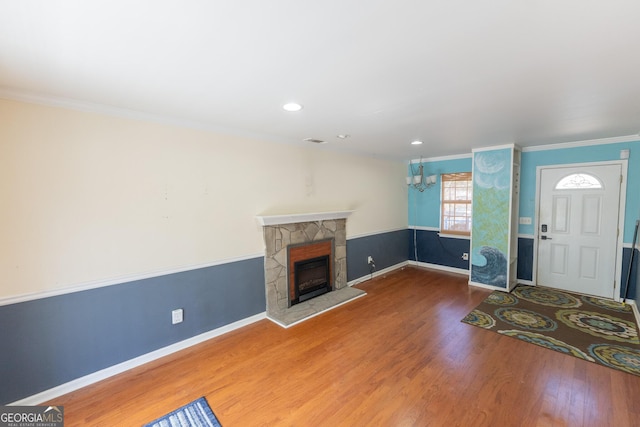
(265, 220)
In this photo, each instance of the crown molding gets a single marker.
(441, 158)
(584, 143)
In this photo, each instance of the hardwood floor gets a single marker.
(397, 357)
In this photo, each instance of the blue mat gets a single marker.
(195, 414)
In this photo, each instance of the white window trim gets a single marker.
(455, 236)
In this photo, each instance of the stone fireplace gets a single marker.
(310, 242)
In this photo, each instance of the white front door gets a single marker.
(578, 228)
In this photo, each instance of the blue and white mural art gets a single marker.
(490, 228)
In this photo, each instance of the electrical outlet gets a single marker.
(372, 264)
(177, 316)
(465, 256)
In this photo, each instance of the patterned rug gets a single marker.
(194, 414)
(594, 329)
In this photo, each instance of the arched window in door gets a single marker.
(577, 181)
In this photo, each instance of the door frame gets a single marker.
(621, 216)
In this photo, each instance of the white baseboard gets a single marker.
(406, 263)
(103, 374)
(482, 285)
(440, 267)
(378, 273)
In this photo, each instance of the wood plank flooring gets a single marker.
(397, 357)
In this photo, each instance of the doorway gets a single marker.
(578, 228)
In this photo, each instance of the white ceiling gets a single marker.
(456, 74)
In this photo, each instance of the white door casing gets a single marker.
(578, 221)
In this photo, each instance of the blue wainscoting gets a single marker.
(447, 252)
(525, 258)
(51, 341)
(633, 279)
(387, 250)
(433, 249)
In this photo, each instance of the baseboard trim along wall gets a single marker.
(440, 267)
(378, 273)
(133, 363)
(490, 287)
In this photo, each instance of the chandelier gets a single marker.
(417, 179)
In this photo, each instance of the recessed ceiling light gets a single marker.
(416, 142)
(314, 140)
(343, 136)
(292, 107)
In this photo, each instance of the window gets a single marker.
(578, 181)
(457, 191)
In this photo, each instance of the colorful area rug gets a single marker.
(195, 414)
(593, 329)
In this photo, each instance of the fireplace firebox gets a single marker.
(311, 278)
(310, 270)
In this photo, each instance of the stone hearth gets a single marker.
(278, 237)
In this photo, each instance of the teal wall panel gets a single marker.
(424, 208)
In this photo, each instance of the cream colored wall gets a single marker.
(90, 198)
